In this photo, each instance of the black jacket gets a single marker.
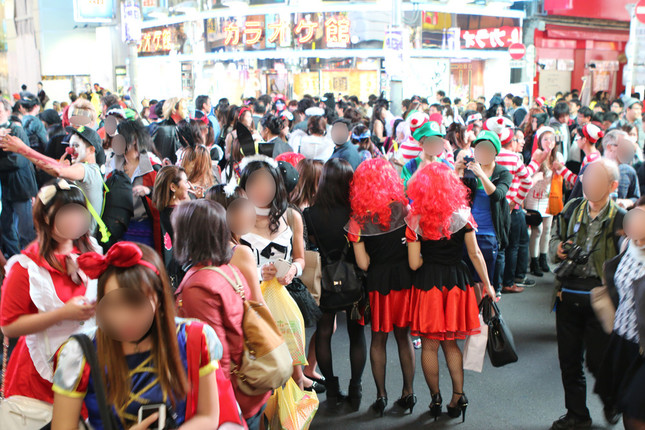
(499, 209)
(17, 174)
(609, 270)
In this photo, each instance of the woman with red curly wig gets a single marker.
(443, 305)
(377, 231)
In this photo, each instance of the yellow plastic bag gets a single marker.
(288, 318)
(290, 408)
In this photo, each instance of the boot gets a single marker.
(543, 264)
(535, 268)
(355, 395)
(335, 397)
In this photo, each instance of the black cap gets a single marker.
(289, 174)
(93, 138)
(50, 116)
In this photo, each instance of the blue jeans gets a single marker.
(500, 265)
(17, 225)
(517, 251)
(489, 248)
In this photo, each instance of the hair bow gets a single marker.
(121, 254)
(47, 193)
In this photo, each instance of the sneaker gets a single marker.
(416, 343)
(525, 282)
(513, 289)
(568, 422)
(498, 294)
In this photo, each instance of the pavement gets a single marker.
(525, 395)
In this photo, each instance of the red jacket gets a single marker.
(207, 296)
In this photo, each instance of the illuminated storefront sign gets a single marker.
(336, 32)
(156, 41)
(487, 38)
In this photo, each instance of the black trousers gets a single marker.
(580, 337)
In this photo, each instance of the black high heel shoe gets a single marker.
(379, 406)
(460, 409)
(407, 402)
(435, 406)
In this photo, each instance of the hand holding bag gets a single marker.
(501, 347)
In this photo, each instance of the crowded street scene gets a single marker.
(313, 214)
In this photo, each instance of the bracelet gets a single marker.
(298, 267)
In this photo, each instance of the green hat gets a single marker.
(491, 137)
(428, 129)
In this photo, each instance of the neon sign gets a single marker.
(156, 41)
(336, 32)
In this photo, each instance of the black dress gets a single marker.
(443, 302)
(389, 279)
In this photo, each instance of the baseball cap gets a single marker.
(93, 138)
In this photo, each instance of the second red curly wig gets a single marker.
(436, 193)
(375, 186)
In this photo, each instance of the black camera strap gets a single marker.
(581, 211)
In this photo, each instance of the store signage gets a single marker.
(640, 11)
(156, 41)
(93, 10)
(336, 32)
(488, 38)
(517, 51)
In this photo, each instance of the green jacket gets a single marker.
(608, 245)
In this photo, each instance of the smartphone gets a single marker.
(282, 266)
(146, 410)
(469, 159)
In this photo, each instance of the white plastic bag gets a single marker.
(475, 348)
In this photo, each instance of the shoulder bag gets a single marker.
(266, 361)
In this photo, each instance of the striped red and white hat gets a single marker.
(416, 120)
(592, 132)
(506, 136)
(540, 101)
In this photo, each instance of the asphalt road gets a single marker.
(523, 395)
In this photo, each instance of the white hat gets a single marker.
(497, 123)
(315, 111)
(541, 130)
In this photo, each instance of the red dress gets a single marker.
(22, 377)
(443, 302)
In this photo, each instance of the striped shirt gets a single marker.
(522, 179)
(571, 177)
(410, 149)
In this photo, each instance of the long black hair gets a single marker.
(335, 180)
(280, 200)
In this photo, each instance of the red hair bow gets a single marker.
(121, 254)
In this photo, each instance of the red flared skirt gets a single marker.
(389, 310)
(442, 313)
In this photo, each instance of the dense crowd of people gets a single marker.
(161, 233)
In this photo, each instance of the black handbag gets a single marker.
(500, 347)
(342, 284)
(308, 308)
(533, 218)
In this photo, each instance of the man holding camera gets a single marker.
(586, 234)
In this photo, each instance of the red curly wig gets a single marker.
(292, 158)
(436, 193)
(375, 186)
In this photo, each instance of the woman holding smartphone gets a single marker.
(145, 350)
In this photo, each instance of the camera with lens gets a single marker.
(575, 257)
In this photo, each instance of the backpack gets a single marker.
(266, 361)
(118, 207)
